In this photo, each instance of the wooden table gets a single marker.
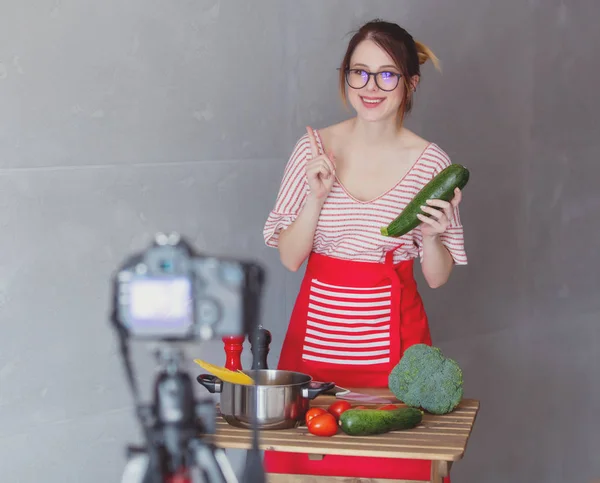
(440, 439)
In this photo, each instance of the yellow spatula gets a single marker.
(227, 375)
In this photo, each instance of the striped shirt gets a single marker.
(348, 228)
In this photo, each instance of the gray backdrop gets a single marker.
(153, 115)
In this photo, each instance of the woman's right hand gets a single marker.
(320, 170)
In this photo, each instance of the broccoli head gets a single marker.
(425, 378)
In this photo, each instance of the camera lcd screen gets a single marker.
(160, 305)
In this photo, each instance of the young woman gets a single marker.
(359, 308)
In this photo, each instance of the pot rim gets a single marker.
(249, 372)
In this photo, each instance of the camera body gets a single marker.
(170, 293)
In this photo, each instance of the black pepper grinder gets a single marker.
(259, 346)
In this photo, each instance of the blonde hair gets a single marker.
(425, 53)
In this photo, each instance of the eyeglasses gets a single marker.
(358, 78)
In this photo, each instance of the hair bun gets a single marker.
(425, 53)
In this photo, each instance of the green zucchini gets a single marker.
(440, 187)
(366, 422)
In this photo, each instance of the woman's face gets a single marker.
(374, 102)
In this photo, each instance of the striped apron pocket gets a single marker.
(347, 326)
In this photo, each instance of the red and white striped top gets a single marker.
(349, 228)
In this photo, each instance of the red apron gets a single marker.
(351, 323)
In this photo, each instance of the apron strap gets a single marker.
(389, 256)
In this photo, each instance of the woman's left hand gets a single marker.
(441, 213)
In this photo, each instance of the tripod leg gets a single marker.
(136, 469)
(225, 466)
(211, 465)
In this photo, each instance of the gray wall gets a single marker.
(150, 115)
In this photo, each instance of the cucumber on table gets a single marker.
(367, 422)
(441, 187)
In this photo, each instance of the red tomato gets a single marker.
(388, 407)
(360, 407)
(312, 412)
(323, 425)
(338, 407)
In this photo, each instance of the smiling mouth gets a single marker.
(372, 101)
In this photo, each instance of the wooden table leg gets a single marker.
(436, 477)
(439, 470)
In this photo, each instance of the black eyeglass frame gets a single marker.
(374, 75)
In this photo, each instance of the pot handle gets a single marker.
(317, 388)
(210, 382)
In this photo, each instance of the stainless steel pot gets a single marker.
(283, 398)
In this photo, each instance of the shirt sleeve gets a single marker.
(453, 237)
(292, 194)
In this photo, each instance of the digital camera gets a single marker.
(170, 293)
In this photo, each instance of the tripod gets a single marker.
(175, 427)
(168, 294)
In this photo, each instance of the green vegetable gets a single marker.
(366, 422)
(425, 378)
(441, 187)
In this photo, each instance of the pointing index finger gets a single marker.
(313, 142)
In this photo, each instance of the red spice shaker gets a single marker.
(233, 350)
